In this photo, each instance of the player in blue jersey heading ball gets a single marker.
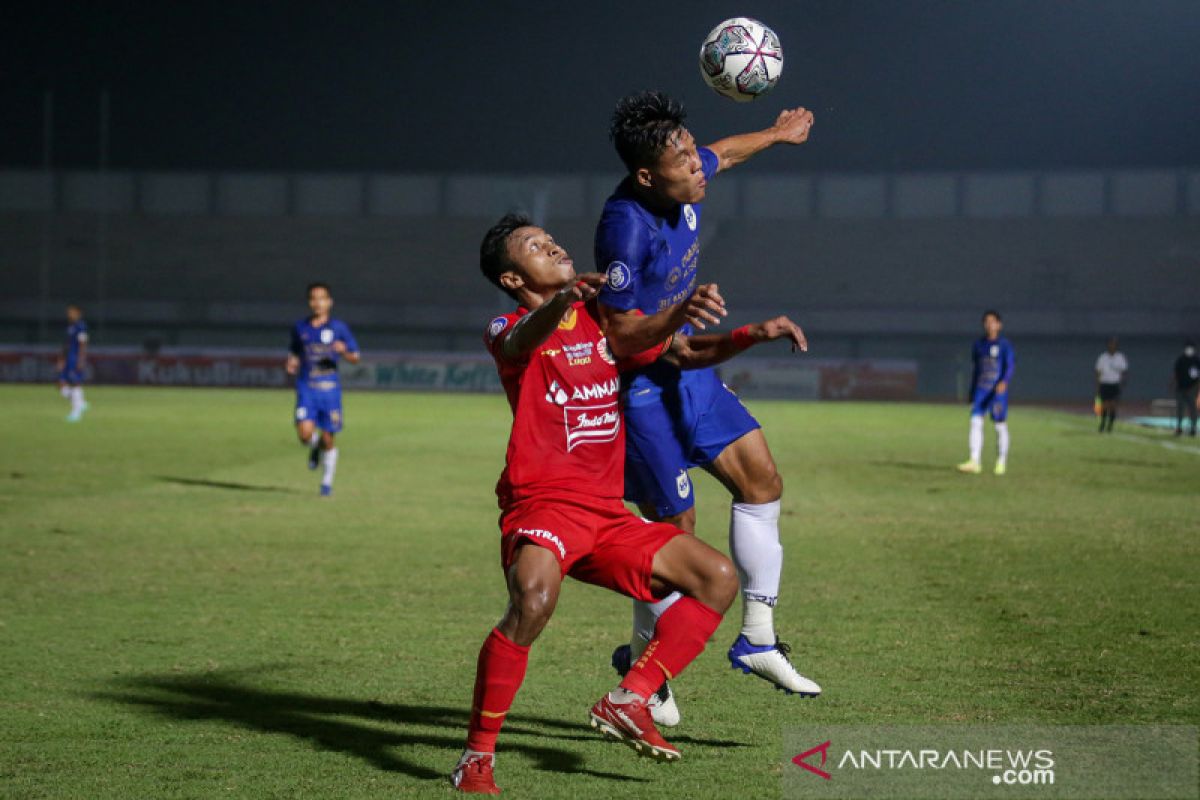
(319, 342)
(648, 243)
(992, 356)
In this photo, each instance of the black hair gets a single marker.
(318, 285)
(642, 126)
(991, 312)
(493, 250)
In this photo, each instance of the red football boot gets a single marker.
(632, 724)
(473, 774)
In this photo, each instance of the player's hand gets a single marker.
(1001, 387)
(292, 366)
(780, 328)
(588, 285)
(339, 347)
(706, 306)
(792, 126)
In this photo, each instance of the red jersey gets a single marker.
(567, 437)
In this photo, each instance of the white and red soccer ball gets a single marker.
(741, 59)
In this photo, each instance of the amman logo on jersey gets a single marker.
(689, 216)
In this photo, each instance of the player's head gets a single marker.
(992, 323)
(658, 150)
(74, 313)
(320, 298)
(1112, 344)
(520, 258)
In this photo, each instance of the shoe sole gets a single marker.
(747, 671)
(644, 749)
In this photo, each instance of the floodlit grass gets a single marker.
(182, 616)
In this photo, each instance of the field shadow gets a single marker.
(322, 721)
(237, 487)
(915, 465)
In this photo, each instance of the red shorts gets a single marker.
(601, 543)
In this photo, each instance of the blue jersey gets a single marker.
(313, 345)
(651, 260)
(76, 336)
(993, 363)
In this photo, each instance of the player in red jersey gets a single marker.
(560, 492)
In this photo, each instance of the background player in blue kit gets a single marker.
(318, 343)
(647, 241)
(992, 356)
(72, 364)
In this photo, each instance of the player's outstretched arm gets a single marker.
(630, 332)
(536, 326)
(706, 350)
(791, 127)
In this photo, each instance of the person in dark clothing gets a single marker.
(1186, 382)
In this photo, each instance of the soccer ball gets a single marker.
(741, 59)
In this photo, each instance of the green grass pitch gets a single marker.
(182, 616)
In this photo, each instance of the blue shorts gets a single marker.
(986, 401)
(322, 407)
(673, 427)
(71, 375)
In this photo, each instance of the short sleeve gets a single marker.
(710, 162)
(347, 337)
(497, 331)
(622, 250)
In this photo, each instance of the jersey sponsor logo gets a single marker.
(603, 351)
(496, 327)
(539, 533)
(683, 484)
(555, 395)
(689, 216)
(619, 276)
(326, 336)
(591, 424)
(580, 354)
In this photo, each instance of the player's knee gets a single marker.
(534, 601)
(721, 582)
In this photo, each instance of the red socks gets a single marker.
(498, 676)
(680, 635)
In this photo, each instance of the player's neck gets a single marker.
(317, 320)
(660, 205)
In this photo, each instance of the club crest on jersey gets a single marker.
(683, 484)
(326, 336)
(618, 276)
(496, 327)
(673, 278)
(689, 216)
(605, 355)
(995, 351)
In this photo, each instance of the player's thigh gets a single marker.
(656, 464)
(329, 412)
(747, 469)
(688, 565)
(981, 401)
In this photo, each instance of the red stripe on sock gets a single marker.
(680, 635)
(498, 676)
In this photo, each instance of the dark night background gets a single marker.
(528, 86)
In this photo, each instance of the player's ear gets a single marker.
(511, 281)
(644, 178)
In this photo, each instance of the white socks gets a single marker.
(329, 463)
(313, 439)
(976, 438)
(754, 545)
(77, 403)
(1002, 439)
